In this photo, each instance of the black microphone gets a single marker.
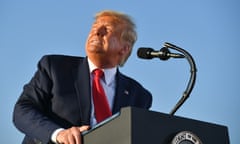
(163, 54)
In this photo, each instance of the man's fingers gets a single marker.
(70, 136)
(76, 136)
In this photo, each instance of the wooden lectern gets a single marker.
(139, 126)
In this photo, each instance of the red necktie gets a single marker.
(101, 106)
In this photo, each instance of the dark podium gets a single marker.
(140, 126)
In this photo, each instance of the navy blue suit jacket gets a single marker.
(59, 96)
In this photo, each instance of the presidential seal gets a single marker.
(186, 137)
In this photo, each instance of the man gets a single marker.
(58, 103)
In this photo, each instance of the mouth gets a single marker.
(95, 41)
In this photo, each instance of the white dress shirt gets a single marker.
(109, 84)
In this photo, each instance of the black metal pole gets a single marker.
(192, 79)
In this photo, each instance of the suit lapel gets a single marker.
(122, 96)
(82, 86)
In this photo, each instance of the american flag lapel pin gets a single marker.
(126, 92)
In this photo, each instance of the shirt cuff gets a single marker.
(54, 135)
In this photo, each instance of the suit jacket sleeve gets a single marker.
(35, 113)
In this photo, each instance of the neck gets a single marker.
(102, 64)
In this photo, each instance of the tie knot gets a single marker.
(98, 73)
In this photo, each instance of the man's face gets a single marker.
(103, 45)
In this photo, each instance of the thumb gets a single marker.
(84, 128)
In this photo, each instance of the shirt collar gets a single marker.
(109, 73)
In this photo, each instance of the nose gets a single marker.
(101, 31)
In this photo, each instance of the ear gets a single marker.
(125, 50)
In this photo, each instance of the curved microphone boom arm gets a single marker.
(192, 79)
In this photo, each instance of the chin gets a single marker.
(95, 49)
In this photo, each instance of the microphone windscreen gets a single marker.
(144, 53)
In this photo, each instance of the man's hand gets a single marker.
(71, 135)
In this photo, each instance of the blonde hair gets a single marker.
(129, 34)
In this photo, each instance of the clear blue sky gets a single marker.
(209, 30)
